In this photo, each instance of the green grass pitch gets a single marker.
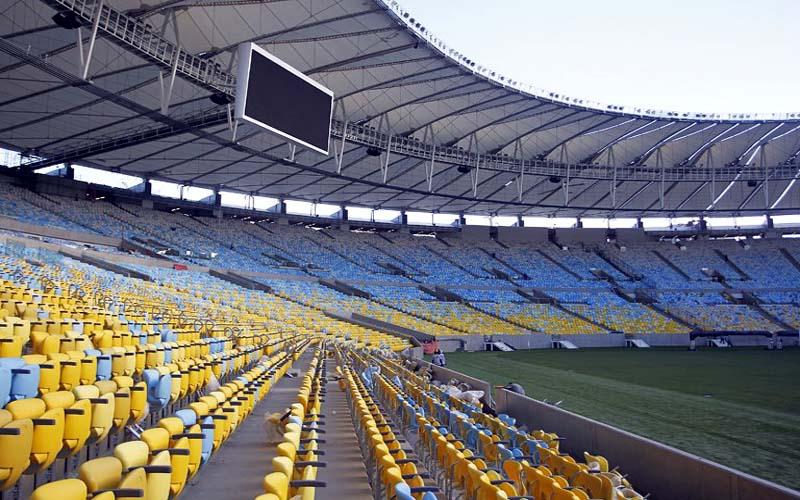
(738, 407)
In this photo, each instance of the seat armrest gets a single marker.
(190, 435)
(121, 493)
(313, 463)
(423, 489)
(305, 483)
(157, 469)
(172, 451)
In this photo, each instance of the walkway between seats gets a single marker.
(345, 475)
(237, 469)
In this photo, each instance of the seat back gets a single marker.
(16, 443)
(24, 378)
(65, 489)
(101, 473)
(159, 477)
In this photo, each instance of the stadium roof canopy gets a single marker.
(460, 137)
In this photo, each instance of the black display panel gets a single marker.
(273, 95)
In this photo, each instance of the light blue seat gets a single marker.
(158, 387)
(506, 419)
(5, 385)
(24, 378)
(103, 363)
(207, 427)
(188, 417)
(404, 492)
(167, 354)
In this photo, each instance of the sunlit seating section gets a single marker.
(711, 312)
(319, 296)
(546, 318)
(619, 315)
(460, 317)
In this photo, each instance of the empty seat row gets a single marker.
(294, 468)
(486, 456)
(392, 471)
(158, 465)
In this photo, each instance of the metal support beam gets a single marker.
(564, 156)
(763, 164)
(87, 61)
(385, 159)
(339, 151)
(430, 166)
(612, 186)
(166, 93)
(519, 155)
(660, 166)
(430, 170)
(710, 164)
(81, 59)
(474, 176)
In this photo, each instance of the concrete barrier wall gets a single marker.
(544, 341)
(12, 224)
(599, 340)
(665, 472)
(665, 339)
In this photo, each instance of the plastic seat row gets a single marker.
(392, 472)
(487, 457)
(158, 465)
(297, 460)
(60, 423)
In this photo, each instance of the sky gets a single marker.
(679, 55)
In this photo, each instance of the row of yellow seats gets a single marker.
(557, 471)
(61, 422)
(397, 475)
(295, 465)
(159, 464)
(194, 363)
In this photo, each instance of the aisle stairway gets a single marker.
(237, 469)
(345, 475)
